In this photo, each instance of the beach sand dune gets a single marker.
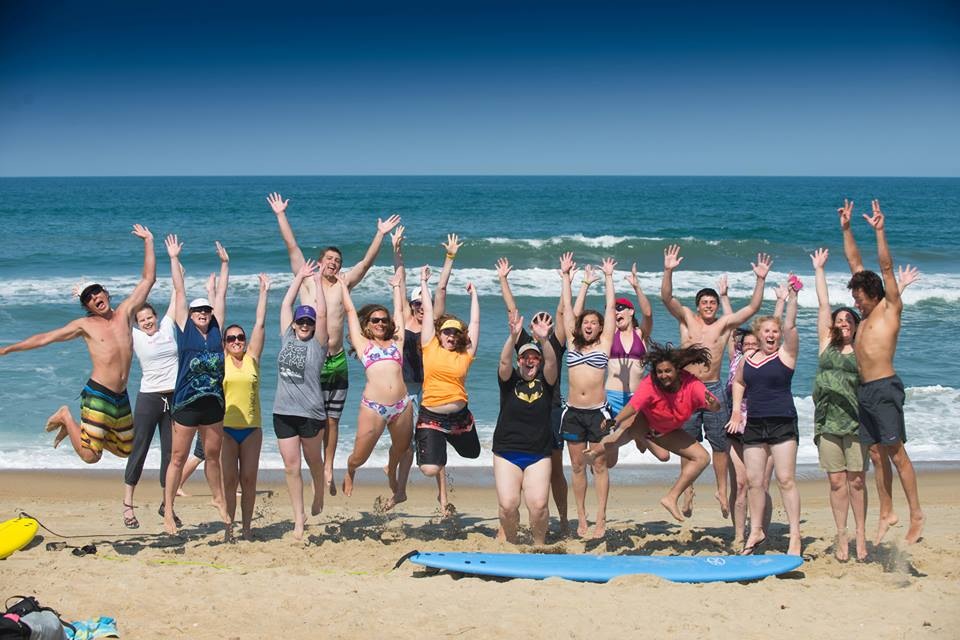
(341, 582)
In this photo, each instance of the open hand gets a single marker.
(671, 257)
(762, 266)
(142, 232)
(608, 265)
(515, 322)
(542, 325)
(452, 245)
(277, 203)
(722, 287)
(566, 262)
(906, 276)
(173, 245)
(396, 238)
(503, 268)
(819, 258)
(386, 226)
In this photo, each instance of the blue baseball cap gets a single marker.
(305, 311)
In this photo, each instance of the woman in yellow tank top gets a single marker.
(240, 454)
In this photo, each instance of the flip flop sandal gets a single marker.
(130, 522)
(754, 548)
(176, 518)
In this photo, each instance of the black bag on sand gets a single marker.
(28, 620)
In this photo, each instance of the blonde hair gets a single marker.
(758, 322)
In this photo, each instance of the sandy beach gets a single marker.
(340, 581)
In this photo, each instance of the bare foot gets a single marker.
(600, 529)
(915, 532)
(687, 508)
(861, 546)
(582, 528)
(564, 527)
(298, 530)
(501, 536)
(182, 494)
(671, 506)
(795, 547)
(247, 534)
(331, 483)
(447, 511)
(737, 543)
(169, 525)
(883, 525)
(382, 505)
(58, 421)
(347, 483)
(724, 507)
(228, 533)
(317, 507)
(841, 547)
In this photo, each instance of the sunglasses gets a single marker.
(237, 337)
(90, 292)
(416, 303)
(201, 310)
(305, 322)
(451, 332)
(622, 307)
(379, 320)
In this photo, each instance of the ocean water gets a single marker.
(58, 231)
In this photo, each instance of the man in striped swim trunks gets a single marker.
(105, 418)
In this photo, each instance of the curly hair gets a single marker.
(679, 357)
(869, 282)
(578, 340)
(462, 341)
(758, 322)
(363, 315)
(836, 338)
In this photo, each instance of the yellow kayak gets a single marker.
(15, 534)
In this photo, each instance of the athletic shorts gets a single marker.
(770, 430)
(583, 425)
(106, 421)
(713, 424)
(841, 453)
(431, 445)
(297, 426)
(880, 404)
(334, 381)
(202, 412)
(556, 420)
(617, 400)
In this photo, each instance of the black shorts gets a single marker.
(770, 430)
(432, 445)
(556, 419)
(201, 412)
(880, 404)
(297, 426)
(583, 425)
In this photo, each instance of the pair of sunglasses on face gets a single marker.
(90, 292)
(237, 337)
(378, 320)
(207, 310)
(622, 307)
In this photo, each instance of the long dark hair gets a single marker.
(578, 340)
(368, 310)
(836, 338)
(679, 357)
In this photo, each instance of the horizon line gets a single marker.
(471, 175)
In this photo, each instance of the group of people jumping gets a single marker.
(201, 377)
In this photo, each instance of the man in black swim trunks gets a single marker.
(880, 397)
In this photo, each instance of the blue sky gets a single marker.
(108, 88)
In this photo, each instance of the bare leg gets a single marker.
(601, 484)
(908, 480)
(249, 466)
(577, 466)
(212, 444)
(883, 474)
(330, 436)
(558, 486)
(536, 495)
(858, 500)
(508, 478)
(721, 461)
(180, 448)
(755, 462)
(688, 494)
(188, 468)
(230, 467)
(401, 433)
(767, 500)
(785, 467)
(696, 457)
(738, 492)
(63, 423)
(313, 453)
(290, 452)
(840, 503)
(370, 427)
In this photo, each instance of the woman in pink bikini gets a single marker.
(377, 338)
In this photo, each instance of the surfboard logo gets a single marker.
(717, 562)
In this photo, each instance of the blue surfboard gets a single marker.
(591, 568)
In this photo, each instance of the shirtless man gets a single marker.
(703, 327)
(333, 378)
(880, 397)
(105, 418)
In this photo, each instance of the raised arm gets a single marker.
(147, 278)
(320, 334)
(255, 348)
(760, 269)
(643, 304)
(399, 297)
(515, 326)
(723, 291)
(791, 337)
(780, 291)
(279, 206)
(71, 330)
(610, 308)
(306, 269)
(542, 327)
(906, 276)
(671, 260)
(359, 270)
(891, 288)
(174, 246)
(503, 271)
(428, 328)
(569, 318)
(396, 240)
(172, 306)
(452, 245)
(850, 249)
(357, 339)
(220, 297)
(589, 277)
(473, 330)
(824, 317)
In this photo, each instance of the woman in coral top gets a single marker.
(449, 348)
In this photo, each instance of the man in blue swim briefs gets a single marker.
(333, 377)
(105, 418)
(881, 395)
(705, 328)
